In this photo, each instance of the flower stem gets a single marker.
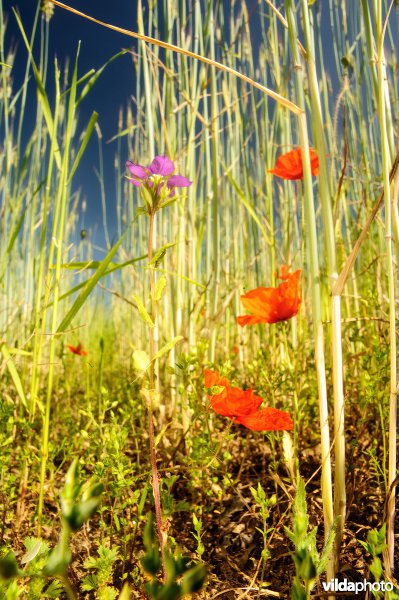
(151, 376)
(70, 591)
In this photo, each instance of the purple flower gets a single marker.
(159, 172)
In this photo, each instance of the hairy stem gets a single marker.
(154, 468)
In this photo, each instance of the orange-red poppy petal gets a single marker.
(235, 402)
(260, 302)
(289, 165)
(267, 419)
(283, 273)
(211, 377)
(271, 305)
(77, 350)
(248, 320)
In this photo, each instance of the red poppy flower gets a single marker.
(289, 165)
(213, 378)
(230, 401)
(77, 349)
(244, 406)
(271, 305)
(283, 273)
(267, 419)
(235, 402)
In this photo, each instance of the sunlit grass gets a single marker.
(235, 96)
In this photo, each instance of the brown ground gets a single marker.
(233, 545)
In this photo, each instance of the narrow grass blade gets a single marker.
(85, 141)
(14, 374)
(90, 285)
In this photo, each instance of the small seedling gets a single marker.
(182, 577)
(308, 563)
(79, 502)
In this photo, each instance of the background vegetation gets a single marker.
(226, 492)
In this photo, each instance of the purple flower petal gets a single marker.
(179, 181)
(135, 182)
(162, 165)
(136, 170)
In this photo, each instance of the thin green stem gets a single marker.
(150, 397)
(59, 233)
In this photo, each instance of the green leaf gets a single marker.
(72, 486)
(58, 561)
(142, 311)
(146, 195)
(168, 202)
(83, 512)
(151, 562)
(328, 548)
(168, 347)
(41, 92)
(376, 568)
(54, 590)
(141, 360)
(90, 582)
(160, 435)
(12, 238)
(83, 145)
(123, 132)
(14, 374)
(159, 288)
(193, 580)
(297, 591)
(141, 210)
(125, 593)
(201, 285)
(94, 264)
(9, 567)
(90, 285)
(159, 254)
(247, 205)
(35, 547)
(107, 593)
(305, 566)
(96, 75)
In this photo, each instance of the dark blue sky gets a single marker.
(113, 89)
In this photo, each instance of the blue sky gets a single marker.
(113, 89)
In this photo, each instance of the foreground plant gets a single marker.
(157, 186)
(243, 405)
(79, 502)
(308, 563)
(181, 576)
(376, 546)
(265, 504)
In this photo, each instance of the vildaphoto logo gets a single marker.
(334, 585)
